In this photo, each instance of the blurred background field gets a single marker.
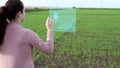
(95, 44)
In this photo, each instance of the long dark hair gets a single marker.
(8, 12)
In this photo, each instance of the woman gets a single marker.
(16, 42)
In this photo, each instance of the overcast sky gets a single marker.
(70, 3)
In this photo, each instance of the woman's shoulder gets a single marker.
(29, 31)
(30, 34)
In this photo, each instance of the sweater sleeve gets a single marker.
(34, 40)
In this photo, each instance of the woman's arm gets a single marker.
(34, 40)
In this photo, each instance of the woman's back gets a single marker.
(15, 51)
(16, 42)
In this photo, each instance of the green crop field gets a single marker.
(95, 44)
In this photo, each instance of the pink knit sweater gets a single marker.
(17, 48)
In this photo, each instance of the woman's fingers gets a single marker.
(49, 23)
(48, 19)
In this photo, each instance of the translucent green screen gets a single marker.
(64, 19)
